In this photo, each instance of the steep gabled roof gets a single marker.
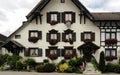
(107, 16)
(43, 3)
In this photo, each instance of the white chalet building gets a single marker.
(60, 29)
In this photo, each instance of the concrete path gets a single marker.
(34, 73)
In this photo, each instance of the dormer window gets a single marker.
(53, 37)
(53, 18)
(69, 36)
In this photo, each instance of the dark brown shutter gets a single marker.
(58, 52)
(47, 52)
(82, 36)
(40, 34)
(58, 17)
(48, 18)
(62, 52)
(27, 52)
(63, 17)
(63, 36)
(39, 52)
(93, 36)
(73, 17)
(47, 37)
(74, 36)
(58, 36)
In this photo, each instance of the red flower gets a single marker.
(111, 41)
(53, 22)
(53, 56)
(110, 58)
(33, 39)
(68, 56)
(87, 40)
(53, 41)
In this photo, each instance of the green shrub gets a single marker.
(19, 66)
(79, 61)
(3, 59)
(95, 64)
(78, 70)
(62, 61)
(49, 67)
(30, 62)
(69, 70)
(102, 62)
(39, 68)
(72, 62)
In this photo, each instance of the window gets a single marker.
(17, 36)
(68, 16)
(53, 18)
(68, 52)
(110, 35)
(110, 52)
(33, 52)
(35, 33)
(62, 1)
(88, 35)
(68, 36)
(53, 50)
(53, 37)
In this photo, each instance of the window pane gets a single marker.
(102, 36)
(107, 35)
(87, 36)
(70, 36)
(68, 52)
(54, 17)
(34, 52)
(53, 36)
(113, 53)
(107, 52)
(112, 35)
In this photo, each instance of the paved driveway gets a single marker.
(34, 73)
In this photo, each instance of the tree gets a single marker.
(102, 62)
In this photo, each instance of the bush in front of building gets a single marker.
(49, 67)
(19, 66)
(39, 68)
(102, 62)
(30, 63)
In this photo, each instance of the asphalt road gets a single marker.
(34, 73)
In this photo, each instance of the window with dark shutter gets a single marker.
(26, 52)
(62, 1)
(53, 37)
(69, 36)
(68, 17)
(88, 36)
(34, 52)
(53, 18)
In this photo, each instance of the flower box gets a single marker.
(111, 41)
(53, 41)
(87, 40)
(68, 56)
(53, 22)
(33, 39)
(68, 23)
(110, 58)
(53, 56)
(69, 40)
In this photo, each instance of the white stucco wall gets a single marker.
(55, 5)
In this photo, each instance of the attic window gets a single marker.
(17, 36)
(53, 18)
(62, 1)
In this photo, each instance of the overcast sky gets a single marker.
(13, 12)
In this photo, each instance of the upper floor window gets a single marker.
(53, 37)
(110, 35)
(68, 17)
(34, 36)
(53, 18)
(87, 36)
(17, 36)
(69, 36)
